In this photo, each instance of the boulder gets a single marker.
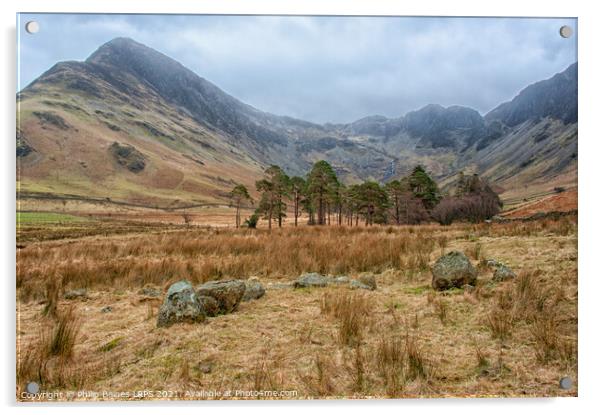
(453, 270)
(205, 366)
(209, 305)
(341, 280)
(501, 272)
(228, 294)
(312, 279)
(253, 289)
(181, 304)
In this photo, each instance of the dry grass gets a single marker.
(402, 340)
(351, 311)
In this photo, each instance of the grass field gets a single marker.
(27, 218)
(514, 338)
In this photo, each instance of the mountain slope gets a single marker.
(132, 124)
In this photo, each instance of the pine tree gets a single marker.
(297, 189)
(424, 187)
(322, 183)
(374, 202)
(274, 189)
(239, 195)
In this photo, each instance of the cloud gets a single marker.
(328, 68)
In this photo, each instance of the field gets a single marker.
(515, 338)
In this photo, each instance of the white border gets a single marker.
(590, 152)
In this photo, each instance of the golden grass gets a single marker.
(402, 340)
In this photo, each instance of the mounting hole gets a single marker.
(32, 387)
(566, 31)
(566, 383)
(32, 27)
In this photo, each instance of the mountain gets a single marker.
(131, 124)
(554, 98)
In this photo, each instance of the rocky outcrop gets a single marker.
(128, 156)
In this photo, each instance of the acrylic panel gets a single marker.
(295, 207)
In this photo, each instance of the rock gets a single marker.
(80, 293)
(341, 280)
(311, 279)
(253, 289)
(205, 366)
(181, 304)
(228, 294)
(149, 292)
(106, 309)
(501, 272)
(453, 270)
(369, 280)
(209, 305)
(355, 284)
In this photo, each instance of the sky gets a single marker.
(326, 69)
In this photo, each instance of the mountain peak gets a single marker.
(127, 53)
(555, 97)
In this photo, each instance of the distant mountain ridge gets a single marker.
(197, 139)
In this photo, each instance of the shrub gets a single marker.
(251, 221)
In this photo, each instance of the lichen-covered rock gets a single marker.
(341, 280)
(181, 304)
(501, 272)
(453, 270)
(253, 289)
(209, 305)
(312, 279)
(228, 294)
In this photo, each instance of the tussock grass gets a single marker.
(351, 311)
(60, 339)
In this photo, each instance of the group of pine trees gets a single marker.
(325, 200)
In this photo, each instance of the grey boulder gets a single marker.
(253, 289)
(209, 305)
(341, 280)
(501, 272)
(228, 294)
(181, 304)
(453, 270)
(311, 279)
